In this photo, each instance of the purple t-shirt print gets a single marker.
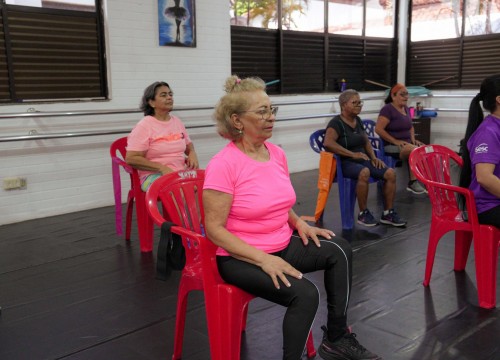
(481, 149)
(484, 147)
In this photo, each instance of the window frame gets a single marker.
(455, 63)
(332, 60)
(71, 81)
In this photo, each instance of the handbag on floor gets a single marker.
(171, 253)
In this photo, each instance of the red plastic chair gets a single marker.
(117, 151)
(226, 306)
(431, 165)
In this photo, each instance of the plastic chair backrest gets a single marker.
(180, 194)
(119, 147)
(316, 140)
(378, 144)
(432, 165)
(369, 126)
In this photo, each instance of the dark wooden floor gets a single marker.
(71, 289)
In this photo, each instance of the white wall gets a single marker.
(72, 174)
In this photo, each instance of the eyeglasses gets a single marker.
(357, 103)
(264, 113)
(403, 94)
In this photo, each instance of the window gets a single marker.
(304, 15)
(442, 54)
(436, 19)
(301, 15)
(51, 51)
(380, 18)
(482, 17)
(345, 17)
(259, 14)
(80, 5)
(305, 56)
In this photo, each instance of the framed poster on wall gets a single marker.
(176, 23)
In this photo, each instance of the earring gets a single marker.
(240, 131)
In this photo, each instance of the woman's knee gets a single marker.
(390, 175)
(306, 294)
(339, 247)
(364, 175)
(405, 152)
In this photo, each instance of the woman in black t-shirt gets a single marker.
(346, 138)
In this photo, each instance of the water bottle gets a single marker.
(419, 110)
(343, 85)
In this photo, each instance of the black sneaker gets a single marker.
(366, 218)
(345, 348)
(392, 218)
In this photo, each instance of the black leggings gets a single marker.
(302, 297)
(490, 217)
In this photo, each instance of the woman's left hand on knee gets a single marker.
(312, 232)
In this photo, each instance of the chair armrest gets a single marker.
(197, 244)
(129, 169)
(470, 201)
(154, 213)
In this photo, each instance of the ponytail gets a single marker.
(476, 117)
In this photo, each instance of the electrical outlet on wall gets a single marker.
(15, 183)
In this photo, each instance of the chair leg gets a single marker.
(347, 195)
(180, 319)
(311, 350)
(463, 240)
(244, 315)
(130, 210)
(234, 302)
(144, 223)
(435, 234)
(486, 258)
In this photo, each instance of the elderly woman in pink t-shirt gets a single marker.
(159, 143)
(264, 247)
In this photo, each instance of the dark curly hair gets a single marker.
(149, 94)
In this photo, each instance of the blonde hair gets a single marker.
(233, 102)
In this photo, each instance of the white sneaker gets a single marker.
(415, 187)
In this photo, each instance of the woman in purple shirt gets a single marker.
(481, 168)
(395, 127)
